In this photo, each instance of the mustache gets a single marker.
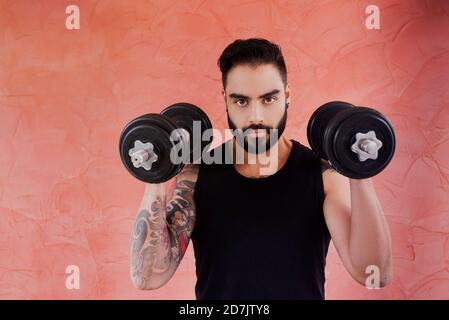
(257, 127)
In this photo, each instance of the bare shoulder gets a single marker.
(325, 166)
(331, 178)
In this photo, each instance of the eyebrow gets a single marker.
(241, 96)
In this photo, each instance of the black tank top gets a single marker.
(261, 238)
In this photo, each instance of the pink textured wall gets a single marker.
(65, 95)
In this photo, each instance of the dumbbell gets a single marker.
(358, 142)
(146, 142)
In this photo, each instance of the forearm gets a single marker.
(150, 244)
(369, 242)
(162, 230)
(181, 211)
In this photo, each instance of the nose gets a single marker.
(256, 116)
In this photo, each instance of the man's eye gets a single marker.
(240, 103)
(269, 100)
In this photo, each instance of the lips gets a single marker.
(256, 132)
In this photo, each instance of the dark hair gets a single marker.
(254, 51)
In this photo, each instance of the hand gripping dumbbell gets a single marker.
(147, 142)
(358, 142)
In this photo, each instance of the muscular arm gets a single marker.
(357, 225)
(162, 230)
(181, 212)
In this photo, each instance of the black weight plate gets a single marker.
(319, 121)
(341, 135)
(152, 128)
(182, 115)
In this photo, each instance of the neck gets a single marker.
(270, 161)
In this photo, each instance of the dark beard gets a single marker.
(271, 136)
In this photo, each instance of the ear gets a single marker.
(287, 94)
(224, 98)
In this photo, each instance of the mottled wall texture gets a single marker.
(65, 197)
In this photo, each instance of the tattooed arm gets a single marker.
(162, 230)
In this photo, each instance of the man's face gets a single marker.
(256, 100)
